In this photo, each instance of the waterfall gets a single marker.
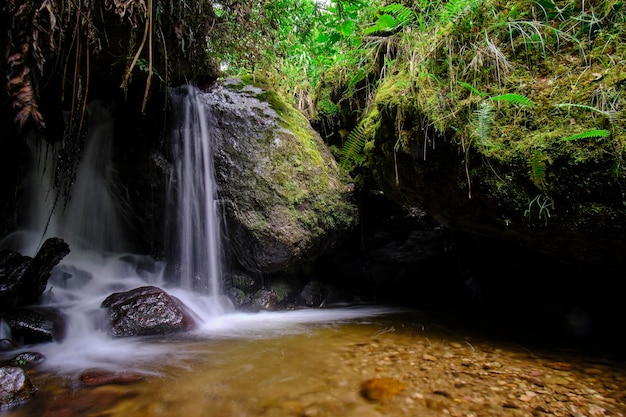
(196, 249)
(92, 219)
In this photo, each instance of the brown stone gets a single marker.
(99, 377)
(379, 389)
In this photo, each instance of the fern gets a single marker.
(482, 123)
(457, 9)
(471, 87)
(403, 14)
(513, 99)
(537, 169)
(395, 16)
(594, 133)
(352, 150)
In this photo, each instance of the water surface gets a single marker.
(315, 362)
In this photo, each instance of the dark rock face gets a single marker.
(12, 267)
(146, 311)
(24, 279)
(36, 276)
(15, 387)
(313, 294)
(35, 325)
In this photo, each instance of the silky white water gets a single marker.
(197, 248)
(97, 266)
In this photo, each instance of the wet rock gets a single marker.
(313, 294)
(244, 282)
(36, 325)
(7, 344)
(28, 359)
(264, 299)
(12, 267)
(35, 278)
(286, 290)
(97, 377)
(379, 389)
(146, 311)
(15, 387)
(23, 279)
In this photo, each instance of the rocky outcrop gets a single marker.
(146, 311)
(24, 279)
(284, 196)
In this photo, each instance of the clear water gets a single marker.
(315, 362)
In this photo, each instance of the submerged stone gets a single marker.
(380, 389)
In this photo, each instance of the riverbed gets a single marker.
(378, 363)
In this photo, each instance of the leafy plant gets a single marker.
(394, 17)
(589, 134)
(352, 150)
(538, 169)
(543, 204)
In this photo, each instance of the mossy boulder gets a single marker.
(285, 198)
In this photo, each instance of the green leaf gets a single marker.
(471, 87)
(386, 22)
(347, 28)
(601, 133)
(323, 38)
(513, 99)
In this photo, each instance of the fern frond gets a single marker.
(395, 16)
(595, 133)
(482, 122)
(537, 169)
(352, 150)
(471, 87)
(403, 14)
(513, 99)
(456, 9)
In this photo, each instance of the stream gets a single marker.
(331, 362)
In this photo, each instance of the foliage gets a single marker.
(532, 89)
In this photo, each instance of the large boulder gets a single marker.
(285, 197)
(15, 387)
(146, 311)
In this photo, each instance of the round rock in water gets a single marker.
(146, 311)
(15, 387)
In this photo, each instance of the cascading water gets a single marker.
(197, 248)
(97, 267)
